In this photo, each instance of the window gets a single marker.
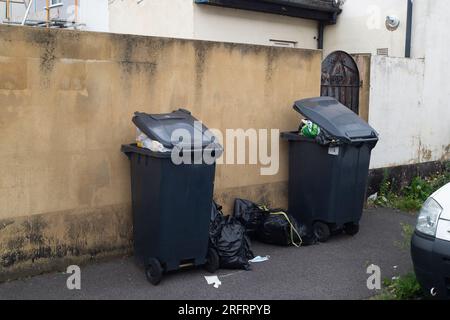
(56, 3)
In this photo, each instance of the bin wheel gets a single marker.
(154, 271)
(351, 228)
(212, 261)
(321, 231)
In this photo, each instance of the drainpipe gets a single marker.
(320, 36)
(409, 29)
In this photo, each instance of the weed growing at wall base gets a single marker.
(404, 287)
(412, 197)
(401, 288)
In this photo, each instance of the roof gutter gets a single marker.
(323, 12)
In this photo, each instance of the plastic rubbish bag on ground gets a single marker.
(281, 229)
(259, 259)
(228, 237)
(250, 215)
(309, 129)
(143, 141)
(271, 226)
(308, 238)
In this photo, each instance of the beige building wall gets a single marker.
(363, 62)
(361, 28)
(173, 19)
(67, 99)
(185, 19)
(232, 25)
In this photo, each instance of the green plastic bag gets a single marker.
(309, 129)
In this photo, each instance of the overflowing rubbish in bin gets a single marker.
(328, 173)
(142, 141)
(171, 202)
(177, 224)
(309, 129)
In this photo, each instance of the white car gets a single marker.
(430, 245)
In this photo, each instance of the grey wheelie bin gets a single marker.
(328, 174)
(171, 201)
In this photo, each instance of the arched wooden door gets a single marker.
(340, 79)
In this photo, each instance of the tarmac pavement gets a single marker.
(334, 270)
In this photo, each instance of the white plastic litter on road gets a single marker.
(214, 280)
(259, 259)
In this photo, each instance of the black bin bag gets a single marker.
(228, 237)
(280, 229)
(250, 215)
(271, 226)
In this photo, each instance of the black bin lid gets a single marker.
(159, 127)
(336, 119)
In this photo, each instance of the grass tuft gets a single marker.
(412, 197)
(402, 288)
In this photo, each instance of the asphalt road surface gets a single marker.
(334, 270)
